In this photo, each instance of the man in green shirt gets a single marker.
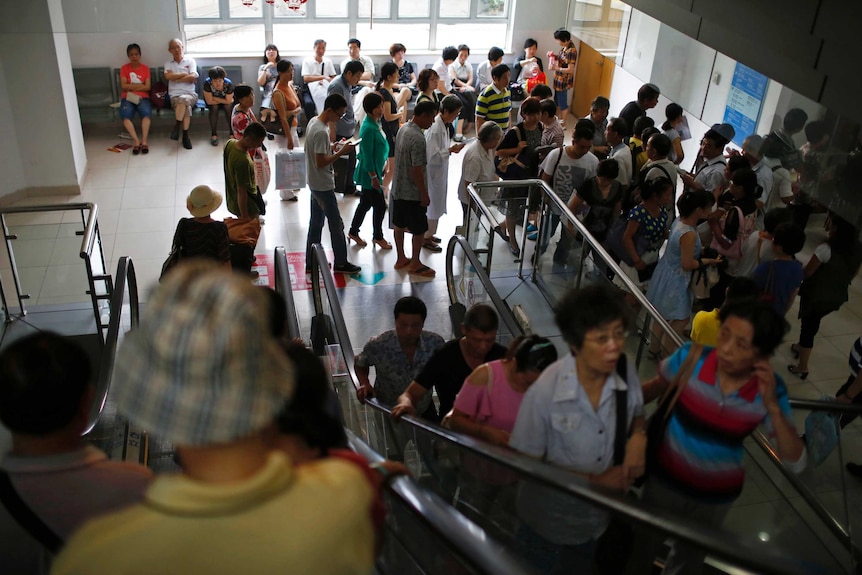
(239, 184)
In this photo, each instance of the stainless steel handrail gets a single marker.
(282, 286)
(89, 235)
(464, 538)
(737, 550)
(125, 277)
(511, 325)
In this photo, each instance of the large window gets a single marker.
(245, 26)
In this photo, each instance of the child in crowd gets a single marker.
(705, 325)
(553, 133)
(779, 279)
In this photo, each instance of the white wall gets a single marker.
(10, 159)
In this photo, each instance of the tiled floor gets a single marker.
(140, 199)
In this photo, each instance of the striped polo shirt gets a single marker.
(702, 453)
(495, 105)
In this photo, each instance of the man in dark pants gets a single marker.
(345, 126)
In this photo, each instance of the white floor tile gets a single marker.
(105, 178)
(65, 280)
(153, 197)
(149, 177)
(104, 198)
(143, 246)
(146, 220)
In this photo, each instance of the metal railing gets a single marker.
(550, 201)
(735, 549)
(283, 287)
(462, 537)
(125, 279)
(90, 236)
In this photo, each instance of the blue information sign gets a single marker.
(745, 101)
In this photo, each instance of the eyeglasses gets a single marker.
(605, 338)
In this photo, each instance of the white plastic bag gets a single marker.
(262, 171)
(290, 169)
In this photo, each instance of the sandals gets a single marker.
(214, 140)
(145, 149)
(794, 369)
(501, 233)
(424, 271)
(383, 244)
(359, 241)
(431, 246)
(136, 150)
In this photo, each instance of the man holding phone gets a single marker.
(320, 154)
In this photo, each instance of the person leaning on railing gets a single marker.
(699, 464)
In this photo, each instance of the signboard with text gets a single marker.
(745, 101)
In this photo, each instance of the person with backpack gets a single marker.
(566, 170)
(708, 171)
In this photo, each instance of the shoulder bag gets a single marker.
(511, 167)
(175, 255)
(273, 126)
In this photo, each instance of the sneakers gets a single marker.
(532, 236)
(346, 268)
(532, 228)
(458, 139)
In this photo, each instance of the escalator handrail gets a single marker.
(507, 318)
(735, 549)
(550, 196)
(125, 277)
(283, 288)
(462, 537)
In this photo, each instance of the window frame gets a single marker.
(268, 19)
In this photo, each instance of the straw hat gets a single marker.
(202, 367)
(202, 201)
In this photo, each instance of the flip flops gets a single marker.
(431, 246)
(424, 271)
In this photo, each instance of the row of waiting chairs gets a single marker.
(98, 89)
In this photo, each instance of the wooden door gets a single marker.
(593, 77)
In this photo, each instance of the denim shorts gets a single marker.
(562, 99)
(143, 108)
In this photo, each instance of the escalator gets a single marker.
(460, 469)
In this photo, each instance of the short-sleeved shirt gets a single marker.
(346, 125)
(672, 135)
(653, 228)
(226, 89)
(496, 403)
(553, 134)
(631, 112)
(443, 72)
(710, 174)
(311, 67)
(623, 155)
(779, 279)
(460, 71)
(756, 249)
(409, 153)
(566, 57)
(185, 66)
(570, 173)
(495, 105)
(367, 63)
(476, 166)
(240, 120)
(667, 169)
(238, 173)
(702, 453)
(782, 186)
(483, 75)
(317, 142)
(405, 72)
(447, 370)
(393, 371)
(557, 424)
(599, 138)
(138, 75)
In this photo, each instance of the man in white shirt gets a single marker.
(751, 151)
(181, 72)
(317, 73)
(709, 170)
(353, 46)
(619, 151)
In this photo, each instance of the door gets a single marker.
(593, 77)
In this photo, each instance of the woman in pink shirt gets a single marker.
(487, 405)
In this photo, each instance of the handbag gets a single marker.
(511, 167)
(133, 98)
(273, 126)
(159, 95)
(262, 171)
(517, 92)
(539, 78)
(656, 425)
(290, 169)
(821, 434)
(702, 281)
(175, 255)
(243, 231)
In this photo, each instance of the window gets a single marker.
(245, 26)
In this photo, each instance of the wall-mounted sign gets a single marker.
(745, 101)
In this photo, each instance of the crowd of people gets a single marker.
(248, 412)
